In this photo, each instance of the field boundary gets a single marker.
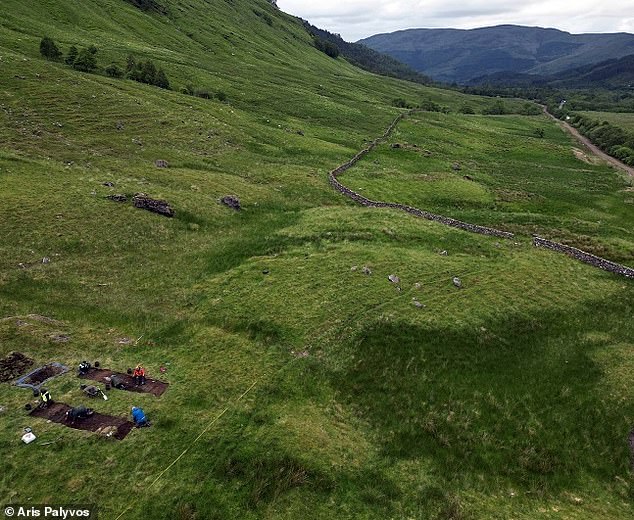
(364, 201)
(578, 254)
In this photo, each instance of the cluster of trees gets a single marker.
(85, 60)
(146, 72)
(327, 47)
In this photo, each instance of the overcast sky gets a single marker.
(355, 19)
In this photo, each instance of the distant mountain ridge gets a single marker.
(615, 73)
(458, 55)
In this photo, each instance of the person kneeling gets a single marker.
(139, 418)
(78, 413)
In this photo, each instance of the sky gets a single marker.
(356, 19)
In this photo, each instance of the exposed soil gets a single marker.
(13, 366)
(42, 374)
(96, 422)
(151, 386)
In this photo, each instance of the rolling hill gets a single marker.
(455, 55)
(303, 381)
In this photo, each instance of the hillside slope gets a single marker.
(299, 386)
(611, 74)
(459, 55)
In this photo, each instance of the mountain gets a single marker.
(614, 73)
(457, 55)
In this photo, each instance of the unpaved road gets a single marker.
(594, 149)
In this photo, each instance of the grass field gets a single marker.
(623, 120)
(300, 386)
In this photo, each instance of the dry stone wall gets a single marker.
(585, 257)
(334, 182)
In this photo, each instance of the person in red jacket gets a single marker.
(139, 375)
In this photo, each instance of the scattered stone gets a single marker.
(396, 145)
(142, 201)
(118, 197)
(161, 163)
(418, 304)
(467, 177)
(417, 285)
(232, 202)
(108, 184)
(300, 132)
(457, 282)
(302, 354)
(456, 167)
(354, 268)
(124, 341)
(393, 278)
(46, 260)
(265, 271)
(107, 431)
(120, 125)
(137, 141)
(59, 338)
(443, 253)
(366, 270)
(2, 409)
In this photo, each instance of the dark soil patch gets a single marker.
(96, 422)
(42, 374)
(14, 365)
(151, 386)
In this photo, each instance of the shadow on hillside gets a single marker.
(513, 403)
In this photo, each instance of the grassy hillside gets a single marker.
(299, 386)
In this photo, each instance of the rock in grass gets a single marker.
(366, 270)
(161, 163)
(393, 278)
(457, 282)
(232, 202)
(142, 201)
(118, 198)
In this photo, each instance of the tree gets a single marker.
(49, 49)
(72, 55)
(114, 71)
(148, 72)
(86, 60)
(160, 80)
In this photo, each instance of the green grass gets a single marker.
(508, 398)
(624, 120)
(495, 171)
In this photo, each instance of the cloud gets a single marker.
(355, 19)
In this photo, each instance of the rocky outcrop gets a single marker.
(142, 201)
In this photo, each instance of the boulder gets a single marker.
(142, 201)
(457, 282)
(393, 278)
(232, 202)
(161, 163)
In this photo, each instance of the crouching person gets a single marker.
(139, 418)
(78, 413)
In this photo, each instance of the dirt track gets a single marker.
(593, 148)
